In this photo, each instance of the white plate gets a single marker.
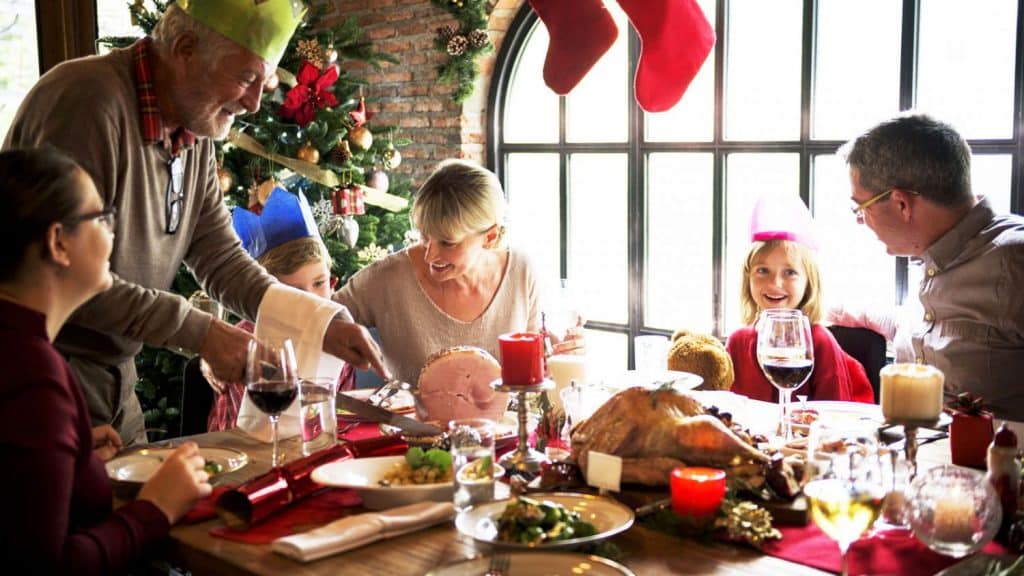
(364, 475)
(550, 563)
(856, 409)
(139, 466)
(680, 380)
(608, 516)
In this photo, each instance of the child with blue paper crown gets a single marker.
(284, 239)
(781, 271)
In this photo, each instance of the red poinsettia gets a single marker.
(309, 94)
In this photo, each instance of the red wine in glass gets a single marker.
(788, 373)
(273, 397)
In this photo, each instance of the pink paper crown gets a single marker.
(783, 217)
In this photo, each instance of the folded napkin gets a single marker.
(355, 531)
(306, 514)
(286, 312)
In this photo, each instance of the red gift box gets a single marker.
(970, 433)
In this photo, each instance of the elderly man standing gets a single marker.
(911, 184)
(142, 121)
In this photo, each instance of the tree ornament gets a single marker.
(391, 159)
(457, 45)
(360, 137)
(308, 153)
(349, 231)
(225, 180)
(310, 51)
(309, 94)
(447, 32)
(264, 189)
(330, 54)
(271, 83)
(478, 38)
(378, 179)
(360, 116)
(341, 152)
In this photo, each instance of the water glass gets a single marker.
(651, 353)
(472, 447)
(318, 419)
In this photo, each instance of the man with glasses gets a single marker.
(911, 185)
(142, 121)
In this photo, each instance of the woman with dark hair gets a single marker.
(57, 237)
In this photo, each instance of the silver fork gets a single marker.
(498, 566)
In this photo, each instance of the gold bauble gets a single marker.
(308, 153)
(330, 55)
(361, 137)
(263, 190)
(225, 180)
(391, 159)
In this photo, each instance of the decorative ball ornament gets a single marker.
(330, 54)
(378, 179)
(349, 231)
(271, 83)
(308, 153)
(457, 45)
(264, 189)
(225, 180)
(361, 138)
(341, 152)
(391, 159)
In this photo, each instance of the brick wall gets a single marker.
(408, 94)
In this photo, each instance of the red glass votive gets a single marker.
(522, 358)
(697, 492)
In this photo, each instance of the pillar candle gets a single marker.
(697, 492)
(911, 392)
(564, 368)
(522, 358)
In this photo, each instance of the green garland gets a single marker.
(462, 42)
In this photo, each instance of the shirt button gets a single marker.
(932, 272)
(928, 316)
(919, 360)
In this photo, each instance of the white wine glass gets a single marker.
(785, 353)
(271, 380)
(846, 486)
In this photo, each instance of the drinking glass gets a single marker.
(845, 486)
(271, 380)
(472, 440)
(317, 416)
(954, 511)
(785, 352)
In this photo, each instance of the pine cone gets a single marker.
(457, 45)
(447, 32)
(478, 38)
(341, 152)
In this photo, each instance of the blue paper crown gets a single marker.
(285, 217)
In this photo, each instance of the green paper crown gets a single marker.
(262, 26)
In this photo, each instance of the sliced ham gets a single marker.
(456, 383)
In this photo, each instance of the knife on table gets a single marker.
(378, 414)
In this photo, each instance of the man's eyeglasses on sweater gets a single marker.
(175, 193)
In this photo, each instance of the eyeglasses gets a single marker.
(858, 210)
(107, 217)
(175, 194)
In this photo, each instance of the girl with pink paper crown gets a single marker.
(781, 271)
(284, 239)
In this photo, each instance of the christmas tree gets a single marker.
(312, 133)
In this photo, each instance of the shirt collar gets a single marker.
(149, 112)
(944, 250)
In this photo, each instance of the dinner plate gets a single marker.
(608, 516)
(138, 466)
(837, 411)
(364, 475)
(548, 563)
(677, 379)
(401, 403)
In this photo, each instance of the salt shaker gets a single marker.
(1004, 474)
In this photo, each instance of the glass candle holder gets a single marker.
(954, 511)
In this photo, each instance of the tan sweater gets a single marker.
(387, 295)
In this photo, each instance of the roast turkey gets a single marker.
(456, 383)
(654, 431)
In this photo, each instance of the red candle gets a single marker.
(697, 492)
(522, 358)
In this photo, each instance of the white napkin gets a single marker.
(287, 312)
(355, 531)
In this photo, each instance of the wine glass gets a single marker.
(271, 380)
(785, 352)
(845, 487)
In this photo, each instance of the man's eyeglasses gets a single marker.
(175, 193)
(858, 210)
(107, 217)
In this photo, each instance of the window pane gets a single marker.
(692, 119)
(855, 269)
(762, 78)
(966, 62)
(748, 177)
(856, 83)
(606, 353)
(19, 68)
(679, 233)
(991, 175)
(533, 212)
(598, 264)
(597, 108)
(531, 110)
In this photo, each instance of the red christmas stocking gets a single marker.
(676, 39)
(581, 32)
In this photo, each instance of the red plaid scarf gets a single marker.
(149, 113)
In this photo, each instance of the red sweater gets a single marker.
(836, 375)
(57, 498)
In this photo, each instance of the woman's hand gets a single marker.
(178, 483)
(573, 342)
(106, 441)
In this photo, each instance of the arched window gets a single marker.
(647, 214)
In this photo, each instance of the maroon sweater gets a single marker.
(57, 499)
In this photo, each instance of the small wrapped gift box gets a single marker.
(970, 432)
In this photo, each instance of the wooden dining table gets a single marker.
(643, 550)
